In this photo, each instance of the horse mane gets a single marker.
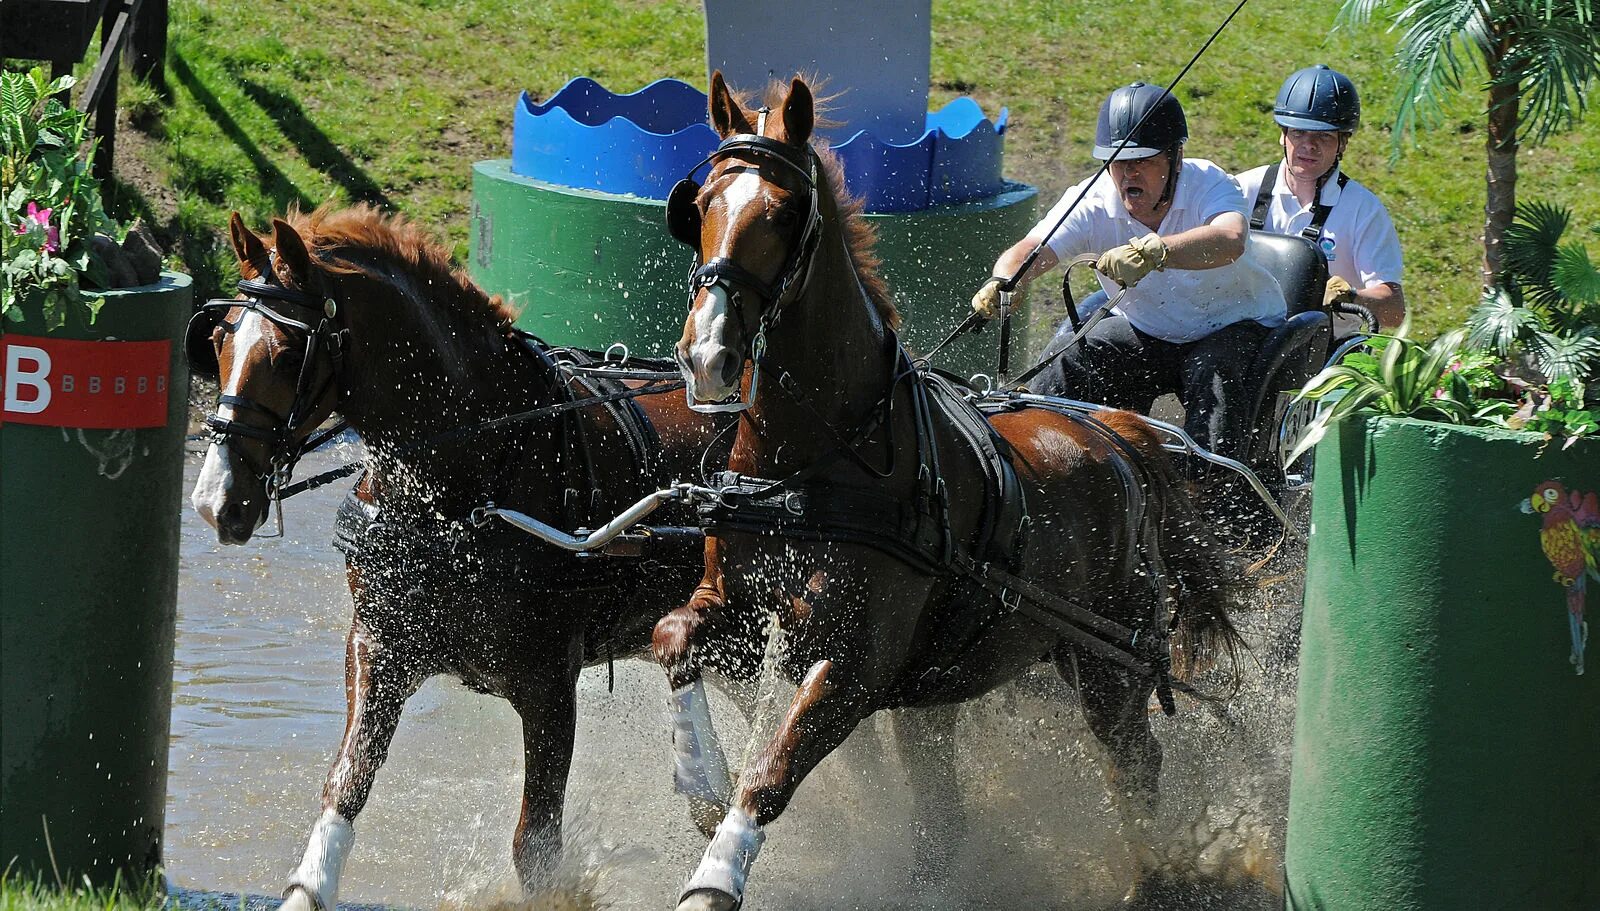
(362, 229)
(860, 237)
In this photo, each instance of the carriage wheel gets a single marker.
(1292, 419)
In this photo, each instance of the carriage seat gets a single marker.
(1298, 349)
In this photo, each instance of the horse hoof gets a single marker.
(708, 900)
(298, 899)
(706, 815)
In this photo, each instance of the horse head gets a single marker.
(754, 225)
(273, 351)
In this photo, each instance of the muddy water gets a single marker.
(258, 713)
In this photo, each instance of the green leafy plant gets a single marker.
(50, 208)
(1404, 377)
(1546, 313)
(1446, 380)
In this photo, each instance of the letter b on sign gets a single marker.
(27, 379)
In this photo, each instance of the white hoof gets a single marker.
(298, 898)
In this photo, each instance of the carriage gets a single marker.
(929, 538)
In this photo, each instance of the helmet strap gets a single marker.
(1173, 153)
(1344, 138)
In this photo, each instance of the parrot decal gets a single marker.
(1570, 537)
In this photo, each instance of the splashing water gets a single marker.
(258, 712)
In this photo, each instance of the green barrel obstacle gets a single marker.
(591, 268)
(91, 477)
(1447, 751)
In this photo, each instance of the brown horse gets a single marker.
(789, 284)
(354, 313)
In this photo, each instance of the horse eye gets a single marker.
(785, 217)
(288, 358)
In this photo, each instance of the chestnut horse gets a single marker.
(410, 352)
(788, 282)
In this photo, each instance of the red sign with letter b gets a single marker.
(94, 385)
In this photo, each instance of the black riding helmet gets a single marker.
(1141, 121)
(1119, 130)
(1317, 98)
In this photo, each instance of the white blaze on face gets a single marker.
(216, 479)
(711, 318)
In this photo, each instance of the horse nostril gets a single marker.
(232, 515)
(723, 368)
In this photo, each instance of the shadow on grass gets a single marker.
(319, 151)
(274, 184)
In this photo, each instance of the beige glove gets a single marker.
(1339, 292)
(987, 301)
(1132, 261)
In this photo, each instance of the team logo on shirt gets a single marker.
(1328, 245)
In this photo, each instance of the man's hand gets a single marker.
(1339, 292)
(987, 301)
(1132, 261)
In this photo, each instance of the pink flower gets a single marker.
(1439, 393)
(41, 217)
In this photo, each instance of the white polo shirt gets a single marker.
(1358, 238)
(1178, 305)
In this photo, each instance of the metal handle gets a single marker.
(601, 536)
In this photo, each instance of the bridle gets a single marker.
(683, 220)
(285, 437)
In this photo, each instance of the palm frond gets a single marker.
(1500, 321)
(1575, 275)
(1531, 241)
(1553, 55)
(1566, 357)
(1440, 40)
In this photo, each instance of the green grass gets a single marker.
(299, 102)
(19, 894)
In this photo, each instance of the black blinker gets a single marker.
(683, 215)
(202, 354)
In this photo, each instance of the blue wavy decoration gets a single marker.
(640, 144)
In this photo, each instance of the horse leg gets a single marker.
(925, 740)
(824, 712)
(377, 682)
(1115, 704)
(700, 770)
(547, 701)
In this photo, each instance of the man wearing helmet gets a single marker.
(1171, 231)
(1307, 194)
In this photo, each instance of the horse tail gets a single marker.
(1206, 577)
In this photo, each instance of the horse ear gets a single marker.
(246, 245)
(727, 117)
(292, 252)
(799, 113)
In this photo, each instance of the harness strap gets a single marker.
(1319, 210)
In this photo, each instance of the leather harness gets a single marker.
(1319, 212)
(809, 507)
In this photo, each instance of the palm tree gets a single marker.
(1538, 58)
